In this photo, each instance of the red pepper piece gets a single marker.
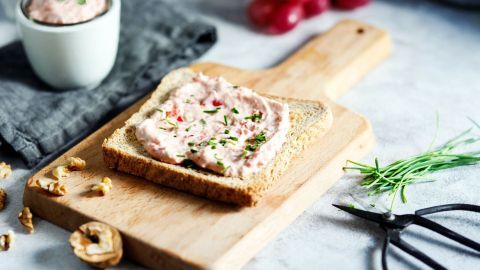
(217, 103)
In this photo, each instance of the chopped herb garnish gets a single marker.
(219, 163)
(181, 156)
(212, 143)
(372, 205)
(217, 158)
(350, 205)
(244, 155)
(203, 122)
(257, 141)
(193, 151)
(251, 147)
(233, 138)
(226, 131)
(223, 142)
(188, 101)
(234, 110)
(160, 110)
(225, 120)
(171, 122)
(81, 2)
(188, 163)
(212, 111)
(235, 86)
(191, 144)
(260, 138)
(188, 128)
(256, 117)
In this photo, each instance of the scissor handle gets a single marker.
(393, 236)
(448, 207)
(434, 226)
(386, 243)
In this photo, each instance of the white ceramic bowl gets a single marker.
(71, 56)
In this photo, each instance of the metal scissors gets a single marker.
(395, 224)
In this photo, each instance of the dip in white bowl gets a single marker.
(61, 12)
(71, 56)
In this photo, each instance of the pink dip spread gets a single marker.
(225, 128)
(65, 11)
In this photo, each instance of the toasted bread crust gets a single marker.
(309, 121)
(159, 174)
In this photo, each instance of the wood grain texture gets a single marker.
(166, 229)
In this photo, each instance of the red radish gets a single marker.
(260, 11)
(349, 4)
(294, 1)
(179, 119)
(285, 18)
(315, 7)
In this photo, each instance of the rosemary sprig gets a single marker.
(394, 178)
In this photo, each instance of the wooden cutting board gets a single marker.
(167, 229)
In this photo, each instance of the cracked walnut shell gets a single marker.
(6, 240)
(25, 217)
(3, 198)
(5, 170)
(54, 187)
(97, 244)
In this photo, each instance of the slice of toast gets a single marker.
(309, 120)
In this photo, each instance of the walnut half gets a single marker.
(75, 164)
(25, 217)
(72, 164)
(3, 198)
(54, 187)
(103, 187)
(5, 170)
(97, 244)
(60, 172)
(6, 240)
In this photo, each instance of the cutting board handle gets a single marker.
(330, 63)
(324, 68)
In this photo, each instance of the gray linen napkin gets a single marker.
(36, 120)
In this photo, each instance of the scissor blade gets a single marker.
(375, 217)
